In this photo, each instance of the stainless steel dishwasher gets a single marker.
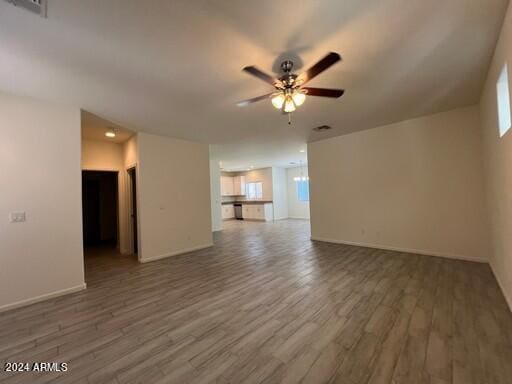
(238, 211)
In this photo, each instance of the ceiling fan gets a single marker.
(289, 90)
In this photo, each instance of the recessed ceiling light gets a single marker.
(110, 133)
(302, 151)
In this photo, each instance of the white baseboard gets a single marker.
(508, 297)
(44, 297)
(180, 252)
(406, 250)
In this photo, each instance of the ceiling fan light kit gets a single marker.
(290, 92)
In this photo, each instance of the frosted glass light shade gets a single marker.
(289, 105)
(278, 101)
(299, 98)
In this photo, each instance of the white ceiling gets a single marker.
(174, 67)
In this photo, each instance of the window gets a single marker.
(503, 101)
(303, 190)
(254, 191)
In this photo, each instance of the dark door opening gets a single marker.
(100, 209)
(133, 214)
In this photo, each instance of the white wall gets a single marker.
(416, 185)
(279, 193)
(215, 200)
(296, 209)
(109, 156)
(174, 196)
(498, 164)
(40, 175)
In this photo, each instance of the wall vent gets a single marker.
(38, 7)
(322, 128)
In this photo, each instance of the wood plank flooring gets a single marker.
(267, 305)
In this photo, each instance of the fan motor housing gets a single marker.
(287, 66)
(288, 79)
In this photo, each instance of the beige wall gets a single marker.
(174, 196)
(102, 155)
(39, 175)
(296, 209)
(110, 156)
(265, 176)
(130, 160)
(416, 185)
(130, 152)
(498, 164)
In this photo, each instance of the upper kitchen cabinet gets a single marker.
(232, 186)
(227, 187)
(239, 185)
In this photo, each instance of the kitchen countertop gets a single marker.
(248, 202)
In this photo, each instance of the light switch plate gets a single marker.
(18, 217)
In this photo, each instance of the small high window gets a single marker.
(503, 101)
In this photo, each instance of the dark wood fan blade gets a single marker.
(261, 75)
(244, 103)
(324, 92)
(329, 60)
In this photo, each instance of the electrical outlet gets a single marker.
(18, 217)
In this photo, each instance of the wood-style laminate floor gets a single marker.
(267, 305)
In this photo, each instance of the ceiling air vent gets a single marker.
(322, 128)
(36, 6)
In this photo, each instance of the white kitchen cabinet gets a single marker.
(232, 186)
(262, 212)
(247, 211)
(228, 211)
(259, 212)
(226, 186)
(239, 185)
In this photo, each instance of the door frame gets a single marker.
(133, 209)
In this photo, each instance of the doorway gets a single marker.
(100, 210)
(132, 174)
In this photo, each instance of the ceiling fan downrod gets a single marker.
(286, 66)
